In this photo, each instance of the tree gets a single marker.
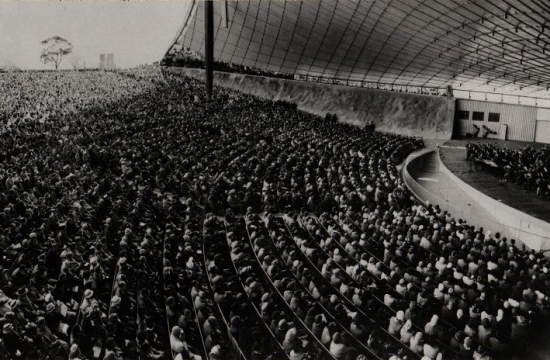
(75, 62)
(55, 49)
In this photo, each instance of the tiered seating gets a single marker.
(160, 225)
(217, 323)
(286, 317)
(393, 299)
(365, 324)
(241, 298)
(181, 247)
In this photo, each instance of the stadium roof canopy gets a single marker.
(500, 46)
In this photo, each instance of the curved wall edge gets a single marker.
(533, 232)
(511, 223)
(430, 117)
(413, 186)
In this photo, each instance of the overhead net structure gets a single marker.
(496, 46)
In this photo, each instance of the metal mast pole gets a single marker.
(209, 45)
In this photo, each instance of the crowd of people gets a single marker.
(180, 57)
(141, 220)
(526, 167)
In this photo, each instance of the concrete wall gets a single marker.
(414, 168)
(521, 120)
(430, 117)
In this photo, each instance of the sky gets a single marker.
(136, 32)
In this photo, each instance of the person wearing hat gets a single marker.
(406, 332)
(412, 312)
(260, 350)
(434, 328)
(5, 302)
(52, 316)
(456, 341)
(209, 325)
(417, 343)
(401, 287)
(358, 328)
(485, 331)
(48, 340)
(396, 323)
(520, 331)
(431, 349)
(16, 344)
(471, 328)
(69, 263)
(216, 353)
(212, 340)
(15, 312)
(87, 301)
(111, 350)
(328, 331)
(338, 348)
(467, 348)
(281, 329)
(147, 352)
(24, 303)
(481, 353)
(114, 305)
(300, 352)
(290, 340)
(179, 346)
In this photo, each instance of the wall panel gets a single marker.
(521, 120)
(542, 133)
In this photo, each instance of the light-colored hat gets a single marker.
(8, 328)
(13, 303)
(216, 351)
(50, 307)
(74, 350)
(88, 293)
(115, 300)
(400, 315)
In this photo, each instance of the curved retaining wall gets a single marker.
(512, 223)
(430, 117)
(533, 232)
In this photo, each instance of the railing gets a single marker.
(433, 91)
(420, 90)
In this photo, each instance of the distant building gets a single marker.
(110, 63)
(102, 61)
